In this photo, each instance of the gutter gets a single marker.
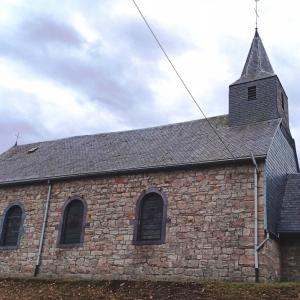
(126, 171)
(38, 261)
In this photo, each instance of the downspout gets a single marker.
(263, 242)
(43, 231)
(256, 247)
(256, 258)
(255, 221)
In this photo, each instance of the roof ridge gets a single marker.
(117, 132)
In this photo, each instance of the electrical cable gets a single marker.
(182, 80)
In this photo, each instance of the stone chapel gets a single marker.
(183, 201)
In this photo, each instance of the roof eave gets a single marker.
(288, 231)
(130, 171)
(238, 83)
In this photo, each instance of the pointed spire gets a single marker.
(257, 65)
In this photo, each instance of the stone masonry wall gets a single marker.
(210, 236)
(21, 262)
(270, 261)
(290, 256)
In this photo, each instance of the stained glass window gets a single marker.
(72, 226)
(151, 215)
(12, 225)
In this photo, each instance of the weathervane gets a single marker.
(18, 137)
(257, 16)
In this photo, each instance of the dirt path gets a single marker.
(21, 288)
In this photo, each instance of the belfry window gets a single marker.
(150, 218)
(12, 226)
(72, 224)
(252, 93)
(282, 101)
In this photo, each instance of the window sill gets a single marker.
(69, 245)
(149, 242)
(9, 247)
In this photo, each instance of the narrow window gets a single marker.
(72, 226)
(150, 218)
(282, 101)
(12, 226)
(252, 93)
(151, 214)
(72, 223)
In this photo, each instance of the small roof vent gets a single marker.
(32, 150)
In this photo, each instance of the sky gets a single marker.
(76, 67)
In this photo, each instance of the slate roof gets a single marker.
(178, 144)
(257, 65)
(290, 212)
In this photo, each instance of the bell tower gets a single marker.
(258, 94)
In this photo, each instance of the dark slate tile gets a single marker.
(170, 145)
(290, 212)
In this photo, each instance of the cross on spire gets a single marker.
(255, 9)
(18, 137)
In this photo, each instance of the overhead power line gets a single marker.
(182, 80)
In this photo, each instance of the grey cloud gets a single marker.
(236, 52)
(139, 40)
(45, 30)
(52, 49)
(20, 114)
(9, 131)
(109, 78)
(286, 65)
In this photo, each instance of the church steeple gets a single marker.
(258, 94)
(257, 65)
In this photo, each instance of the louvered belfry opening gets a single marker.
(72, 226)
(12, 225)
(252, 93)
(151, 216)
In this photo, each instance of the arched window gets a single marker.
(12, 225)
(72, 223)
(150, 218)
(72, 226)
